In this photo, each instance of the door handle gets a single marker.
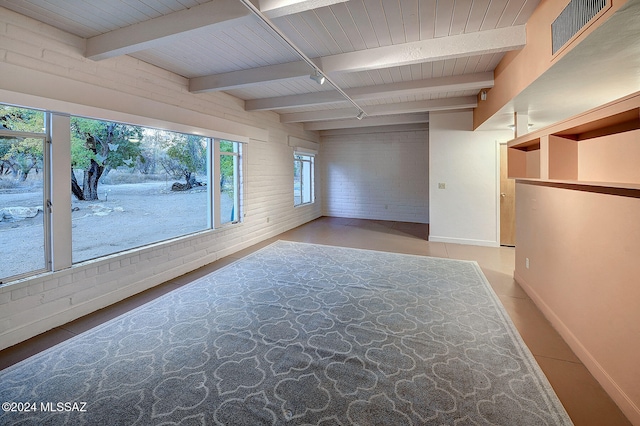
(502, 194)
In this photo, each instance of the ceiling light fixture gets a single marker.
(483, 95)
(317, 77)
(249, 5)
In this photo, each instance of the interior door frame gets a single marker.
(499, 145)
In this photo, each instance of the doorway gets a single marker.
(507, 202)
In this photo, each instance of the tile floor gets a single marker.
(584, 399)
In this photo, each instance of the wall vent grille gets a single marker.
(572, 19)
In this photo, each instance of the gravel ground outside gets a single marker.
(126, 216)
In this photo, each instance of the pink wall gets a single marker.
(519, 68)
(563, 158)
(524, 163)
(584, 274)
(612, 158)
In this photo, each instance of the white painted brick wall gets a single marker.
(382, 176)
(34, 305)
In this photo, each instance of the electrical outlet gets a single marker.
(526, 262)
(442, 185)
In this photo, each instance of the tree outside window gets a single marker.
(23, 212)
(131, 186)
(139, 186)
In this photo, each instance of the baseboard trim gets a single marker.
(628, 407)
(484, 243)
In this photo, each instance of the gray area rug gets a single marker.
(298, 334)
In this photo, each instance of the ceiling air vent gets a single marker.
(574, 18)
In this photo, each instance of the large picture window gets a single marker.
(23, 192)
(134, 186)
(129, 185)
(303, 184)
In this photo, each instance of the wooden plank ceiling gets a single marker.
(396, 59)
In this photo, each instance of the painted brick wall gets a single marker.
(44, 67)
(382, 176)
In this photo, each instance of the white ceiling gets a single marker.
(396, 59)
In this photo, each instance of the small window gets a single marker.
(230, 181)
(303, 179)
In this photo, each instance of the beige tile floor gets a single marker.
(584, 399)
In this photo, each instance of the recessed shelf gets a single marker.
(599, 148)
(617, 123)
(530, 145)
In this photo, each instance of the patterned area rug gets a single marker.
(298, 334)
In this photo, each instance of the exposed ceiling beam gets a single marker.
(318, 74)
(277, 8)
(435, 49)
(218, 14)
(455, 83)
(250, 77)
(444, 104)
(368, 122)
(415, 127)
(293, 101)
(457, 46)
(156, 31)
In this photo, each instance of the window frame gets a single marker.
(56, 189)
(309, 159)
(47, 170)
(238, 168)
(210, 202)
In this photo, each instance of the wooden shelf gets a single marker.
(599, 148)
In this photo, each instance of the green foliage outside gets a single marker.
(97, 147)
(18, 155)
(21, 119)
(226, 165)
(109, 144)
(184, 156)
